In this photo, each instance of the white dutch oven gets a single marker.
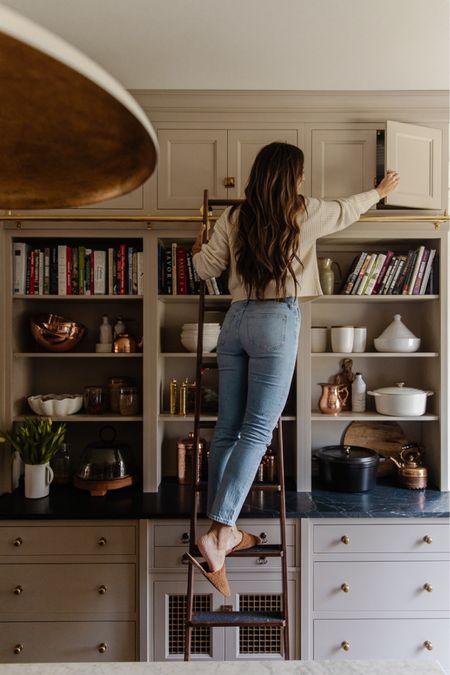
(400, 400)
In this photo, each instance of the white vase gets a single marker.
(37, 480)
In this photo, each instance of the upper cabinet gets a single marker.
(351, 158)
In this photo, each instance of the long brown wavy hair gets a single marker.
(267, 232)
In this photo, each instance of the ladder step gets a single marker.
(237, 619)
(207, 424)
(260, 551)
(208, 364)
(262, 487)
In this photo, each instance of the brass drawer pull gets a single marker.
(427, 539)
(184, 559)
(229, 181)
(345, 645)
(102, 541)
(18, 590)
(185, 538)
(345, 588)
(262, 560)
(18, 648)
(102, 647)
(428, 645)
(102, 589)
(345, 539)
(428, 588)
(263, 537)
(18, 542)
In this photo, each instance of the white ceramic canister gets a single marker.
(359, 338)
(342, 339)
(37, 480)
(319, 339)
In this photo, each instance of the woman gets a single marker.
(268, 243)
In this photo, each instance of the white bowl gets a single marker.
(55, 404)
(190, 342)
(396, 344)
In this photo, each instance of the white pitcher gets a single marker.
(37, 480)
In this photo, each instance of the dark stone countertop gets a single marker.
(174, 501)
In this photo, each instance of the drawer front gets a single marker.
(405, 538)
(68, 540)
(67, 641)
(382, 639)
(176, 535)
(173, 556)
(353, 586)
(82, 589)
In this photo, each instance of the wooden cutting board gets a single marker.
(386, 438)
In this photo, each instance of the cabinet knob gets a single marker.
(428, 588)
(102, 647)
(345, 539)
(18, 542)
(345, 588)
(428, 645)
(184, 559)
(185, 537)
(18, 590)
(427, 539)
(262, 560)
(18, 648)
(229, 181)
(345, 645)
(263, 537)
(102, 589)
(102, 541)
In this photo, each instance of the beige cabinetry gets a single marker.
(69, 592)
(374, 589)
(255, 585)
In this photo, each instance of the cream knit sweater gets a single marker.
(322, 218)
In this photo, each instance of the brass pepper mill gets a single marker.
(173, 389)
(182, 408)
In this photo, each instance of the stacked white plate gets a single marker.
(189, 335)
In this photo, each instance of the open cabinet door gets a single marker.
(416, 153)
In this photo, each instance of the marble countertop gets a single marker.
(174, 501)
(417, 667)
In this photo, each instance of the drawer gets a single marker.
(175, 535)
(73, 589)
(396, 538)
(173, 556)
(67, 641)
(382, 639)
(68, 540)
(369, 586)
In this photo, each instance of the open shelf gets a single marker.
(375, 298)
(370, 416)
(375, 355)
(78, 355)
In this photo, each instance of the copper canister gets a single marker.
(185, 448)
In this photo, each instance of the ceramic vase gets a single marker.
(37, 480)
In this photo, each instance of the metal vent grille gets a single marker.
(201, 642)
(255, 640)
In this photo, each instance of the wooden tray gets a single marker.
(386, 438)
(99, 488)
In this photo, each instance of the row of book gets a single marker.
(391, 273)
(177, 275)
(77, 270)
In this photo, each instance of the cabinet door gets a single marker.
(343, 162)
(416, 153)
(191, 160)
(244, 145)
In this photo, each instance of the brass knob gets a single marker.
(184, 559)
(18, 648)
(263, 537)
(102, 589)
(428, 645)
(18, 541)
(345, 645)
(345, 539)
(262, 560)
(427, 539)
(428, 588)
(185, 538)
(229, 181)
(345, 588)
(102, 541)
(18, 590)
(102, 647)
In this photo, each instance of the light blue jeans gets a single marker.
(256, 355)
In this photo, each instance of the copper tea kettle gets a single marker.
(411, 473)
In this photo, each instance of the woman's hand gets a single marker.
(388, 184)
(197, 246)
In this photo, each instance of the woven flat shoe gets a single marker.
(218, 579)
(248, 541)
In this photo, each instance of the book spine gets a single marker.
(389, 274)
(20, 253)
(168, 270)
(353, 275)
(68, 270)
(81, 270)
(174, 269)
(427, 272)
(140, 272)
(379, 281)
(121, 269)
(75, 271)
(381, 257)
(47, 270)
(129, 270)
(420, 251)
(365, 279)
(33, 272)
(361, 274)
(62, 269)
(401, 263)
(181, 271)
(420, 273)
(87, 271)
(209, 287)
(190, 270)
(40, 261)
(134, 273)
(110, 270)
(99, 272)
(54, 270)
(402, 277)
(215, 286)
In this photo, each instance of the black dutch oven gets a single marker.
(348, 468)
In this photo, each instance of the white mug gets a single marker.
(359, 338)
(37, 480)
(319, 339)
(342, 339)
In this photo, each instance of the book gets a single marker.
(182, 280)
(380, 278)
(215, 286)
(397, 290)
(389, 275)
(75, 271)
(62, 269)
(129, 270)
(419, 277)
(174, 268)
(111, 270)
(121, 269)
(361, 274)
(53, 270)
(81, 270)
(140, 272)
(381, 257)
(99, 258)
(68, 270)
(427, 272)
(40, 262)
(420, 251)
(209, 287)
(353, 274)
(47, 270)
(87, 271)
(20, 258)
(192, 287)
(400, 264)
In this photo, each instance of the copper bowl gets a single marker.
(56, 333)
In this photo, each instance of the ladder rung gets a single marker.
(237, 619)
(260, 551)
(208, 364)
(262, 487)
(207, 424)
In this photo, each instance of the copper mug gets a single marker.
(332, 398)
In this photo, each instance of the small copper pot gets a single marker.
(125, 344)
(185, 448)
